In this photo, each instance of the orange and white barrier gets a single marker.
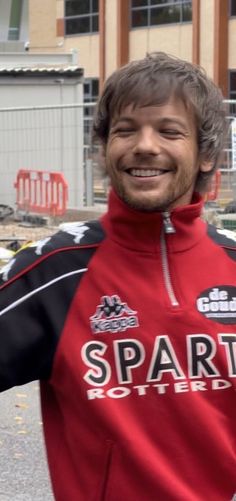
(41, 192)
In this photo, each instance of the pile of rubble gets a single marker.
(13, 236)
(10, 231)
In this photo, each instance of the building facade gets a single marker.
(105, 34)
(109, 33)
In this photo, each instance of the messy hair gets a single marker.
(151, 81)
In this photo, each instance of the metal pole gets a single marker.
(89, 182)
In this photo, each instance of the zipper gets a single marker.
(168, 228)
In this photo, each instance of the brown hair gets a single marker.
(151, 81)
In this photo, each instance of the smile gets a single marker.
(146, 172)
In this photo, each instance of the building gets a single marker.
(109, 33)
(41, 122)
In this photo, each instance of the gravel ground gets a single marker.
(15, 230)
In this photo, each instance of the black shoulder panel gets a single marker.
(37, 288)
(224, 238)
(70, 236)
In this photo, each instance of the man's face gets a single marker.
(152, 156)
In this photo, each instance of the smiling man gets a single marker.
(152, 155)
(129, 322)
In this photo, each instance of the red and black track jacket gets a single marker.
(129, 324)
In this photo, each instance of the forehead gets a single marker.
(174, 109)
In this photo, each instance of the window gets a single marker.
(232, 84)
(81, 16)
(155, 12)
(232, 7)
(15, 20)
(91, 91)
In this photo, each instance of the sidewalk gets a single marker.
(23, 468)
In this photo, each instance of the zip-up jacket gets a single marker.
(129, 324)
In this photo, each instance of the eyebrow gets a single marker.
(163, 121)
(122, 119)
(173, 120)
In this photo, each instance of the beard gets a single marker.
(164, 192)
(144, 203)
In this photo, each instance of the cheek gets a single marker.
(111, 159)
(187, 159)
(114, 152)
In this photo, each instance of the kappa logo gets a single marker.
(113, 315)
(5, 270)
(39, 245)
(75, 229)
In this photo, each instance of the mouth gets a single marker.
(146, 172)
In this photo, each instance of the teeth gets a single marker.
(145, 172)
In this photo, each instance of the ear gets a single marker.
(206, 165)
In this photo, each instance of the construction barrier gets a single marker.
(41, 192)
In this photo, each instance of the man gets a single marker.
(129, 322)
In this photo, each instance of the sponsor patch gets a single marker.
(218, 304)
(113, 315)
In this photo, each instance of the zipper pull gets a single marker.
(168, 225)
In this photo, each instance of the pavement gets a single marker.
(23, 467)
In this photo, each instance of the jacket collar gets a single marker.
(141, 231)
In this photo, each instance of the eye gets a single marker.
(123, 131)
(171, 133)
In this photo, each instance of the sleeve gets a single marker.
(224, 238)
(36, 290)
(27, 327)
(34, 303)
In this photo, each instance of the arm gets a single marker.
(28, 324)
(36, 290)
(35, 295)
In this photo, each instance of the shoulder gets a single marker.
(70, 237)
(224, 238)
(78, 233)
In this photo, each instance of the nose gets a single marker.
(147, 142)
